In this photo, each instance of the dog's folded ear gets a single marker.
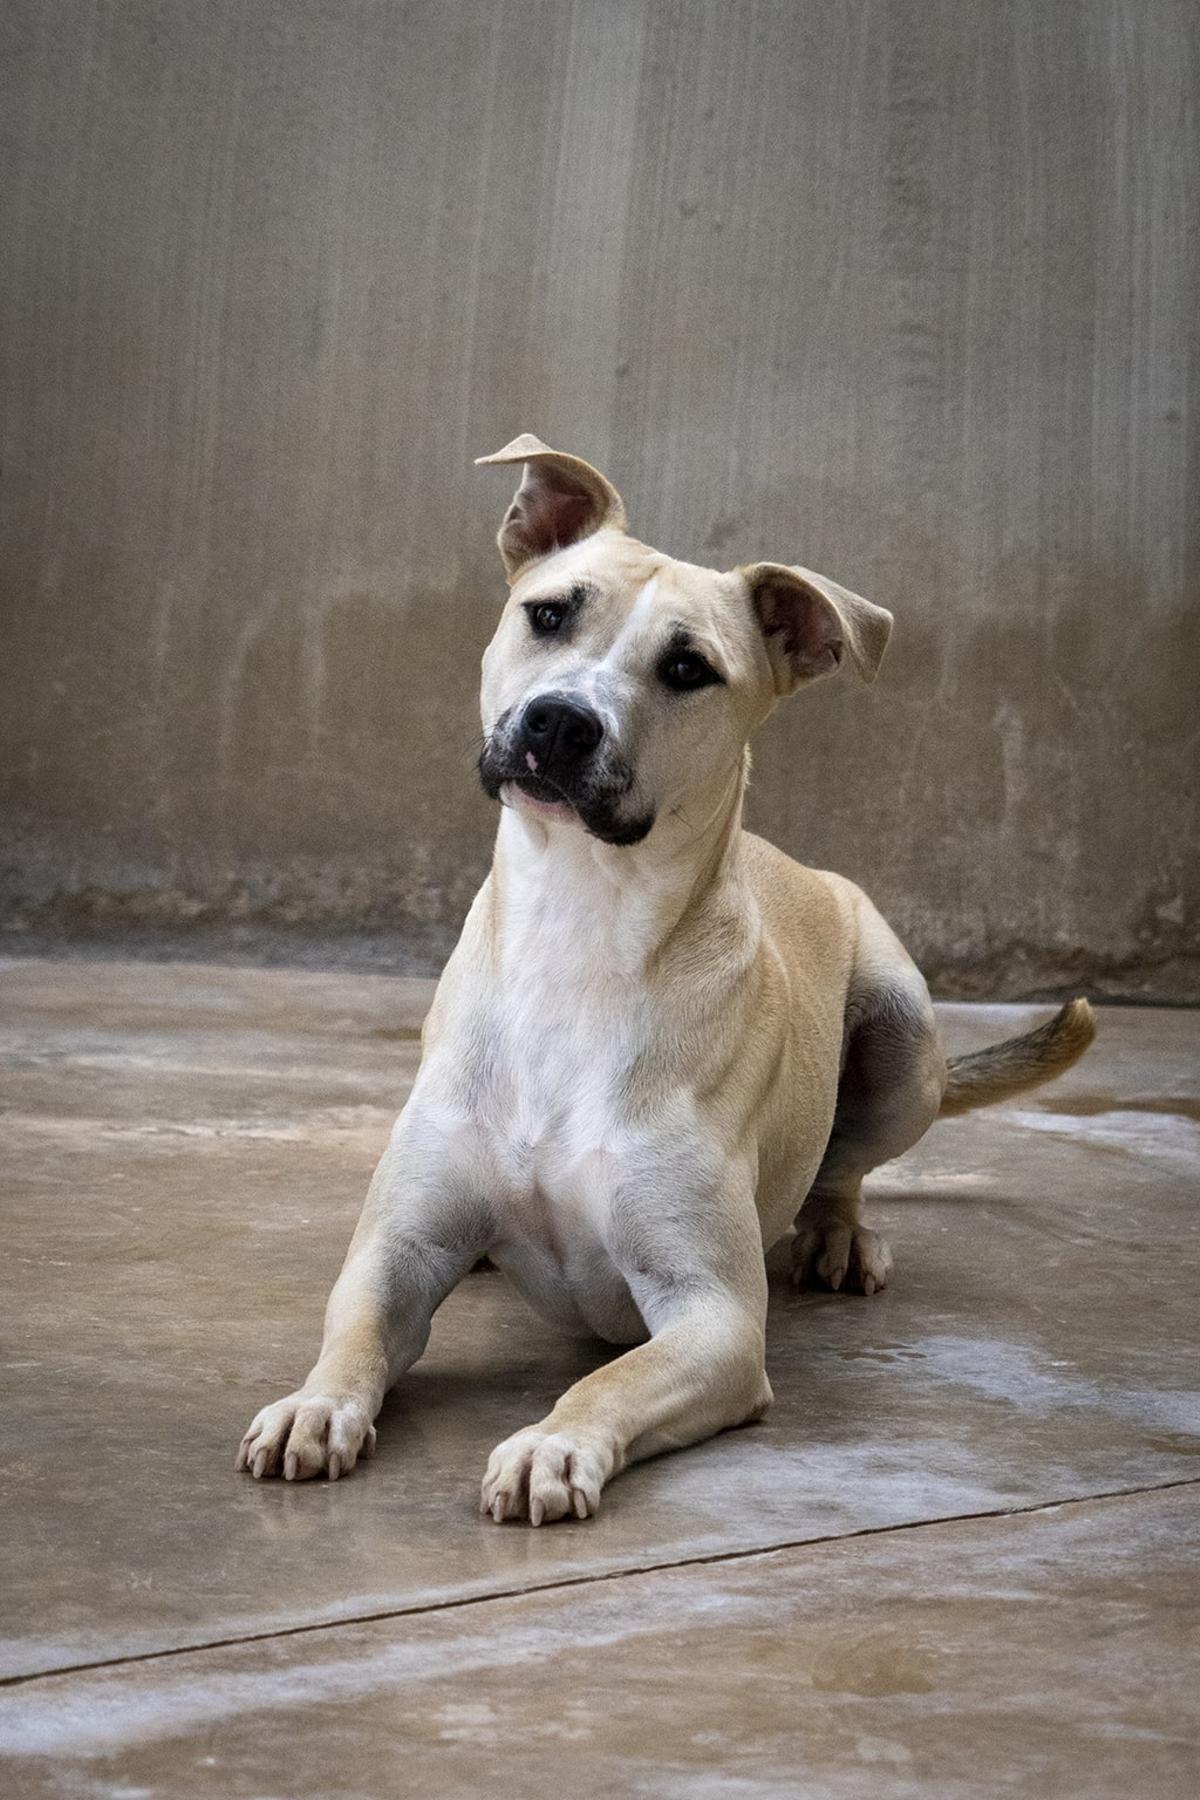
(560, 500)
(812, 625)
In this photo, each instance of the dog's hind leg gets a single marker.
(893, 1075)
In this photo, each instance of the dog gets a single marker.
(660, 1044)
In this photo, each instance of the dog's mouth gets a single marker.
(598, 815)
(532, 794)
(597, 805)
(541, 791)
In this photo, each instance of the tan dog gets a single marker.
(659, 1042)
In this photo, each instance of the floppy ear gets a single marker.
(560, 500)
(812, 625)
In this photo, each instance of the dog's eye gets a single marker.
(683, 670)
(547, 617)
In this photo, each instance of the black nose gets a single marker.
(558, 733)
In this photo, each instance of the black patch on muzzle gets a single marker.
(603, 824)
(596, 793)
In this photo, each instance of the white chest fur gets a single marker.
(556, 1021)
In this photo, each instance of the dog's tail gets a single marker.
(1019, 1063)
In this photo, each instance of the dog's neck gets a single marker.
(564, 903)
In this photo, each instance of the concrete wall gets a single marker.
(905, 291)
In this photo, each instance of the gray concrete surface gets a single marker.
(862, 1595)
(1050, 1654)
(902, 291)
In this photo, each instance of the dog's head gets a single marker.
(621, 682)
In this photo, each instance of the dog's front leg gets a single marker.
(704, 1301)
(421, 1229)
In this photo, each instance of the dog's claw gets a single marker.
(307, 1434)
(844, 1258)
(542, 1475)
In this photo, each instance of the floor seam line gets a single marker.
(563, 1583)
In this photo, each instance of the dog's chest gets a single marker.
(553, 1028)
(559, 1085)
(551, 1112)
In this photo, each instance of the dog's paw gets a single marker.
(541, 1475)
(305, 1435)
(848, 1258)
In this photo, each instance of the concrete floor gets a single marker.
(959, 1557)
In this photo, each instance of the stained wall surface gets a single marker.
(904, 291)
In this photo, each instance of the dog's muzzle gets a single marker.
(554, 749)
